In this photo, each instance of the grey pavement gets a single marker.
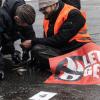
(92, 8)
(16, 87)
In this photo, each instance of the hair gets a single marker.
(26, 13)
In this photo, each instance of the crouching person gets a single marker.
(64, 31)
(16, 19)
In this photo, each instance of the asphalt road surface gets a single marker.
(16, 87)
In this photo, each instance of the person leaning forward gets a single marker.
(16, 19)
(64, 31)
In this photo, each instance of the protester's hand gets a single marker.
(27, 43)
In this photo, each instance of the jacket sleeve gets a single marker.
(69, 29)
(26, 33)
(11, 5)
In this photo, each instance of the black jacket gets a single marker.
(70, 27)
(7, 13)
(75, 3)
(11, 5)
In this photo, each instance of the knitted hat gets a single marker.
(46, 3)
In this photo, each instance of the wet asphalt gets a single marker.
(16, 87)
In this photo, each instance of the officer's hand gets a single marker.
(27, 43)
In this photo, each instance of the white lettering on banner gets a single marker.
(93, 57)
(96, 70)
(93, 65)
(88, 71)
(74, 67)
(98, 55)
(90, 66)
(86, 61)
(67, 76)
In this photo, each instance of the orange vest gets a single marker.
(82, 35)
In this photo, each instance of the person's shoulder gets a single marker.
(75, 12)
(5, 19)
(12, 2)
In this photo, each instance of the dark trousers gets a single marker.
(41, 55)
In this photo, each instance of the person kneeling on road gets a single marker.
(64, 31)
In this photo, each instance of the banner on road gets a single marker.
(81, 66)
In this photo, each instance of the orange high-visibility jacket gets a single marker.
(81, 36)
